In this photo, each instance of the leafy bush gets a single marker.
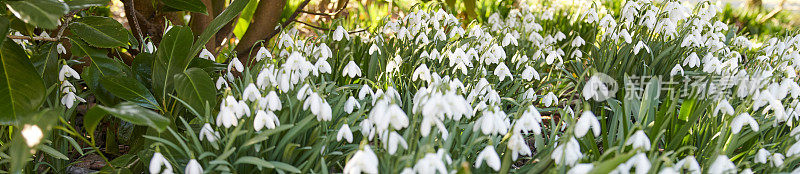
(546, 88)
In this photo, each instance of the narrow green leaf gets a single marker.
(254, 161)
(41, 13)
(102, 32)
(21, 88)
(53, 152)
(138, 115)
(285, 167)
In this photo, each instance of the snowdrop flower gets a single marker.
(251, 92)
(69, 99)
(364, 91)
(149, 48)
(423, 73)
(236, 65)
(67, 71)
(208, 133)
(582, 168)
(489, 155)
(741, 120)
(322, 66)
(271, 102)
(263, 53)
(530, 73)
(722, 165)
(395, 140)
(345, 133)
(502, 71)
(430, 163)
(205, 54)
(639, 47)
(374, 48)
(586, 122)
(577, 42)
(725, 107)
(639, 140)
(761, 156)
(221, 82)
(529, 120)
(384, 115)
(157, 162)
(692, 60)
(352, 70)
(550, 99)
(60, 49)
(675, 70)
(363, 160)
(595, 89)
(492, 123)
(318, 107)
(793, 150)
(32, 134)
(193, 167)
(266, 119)
(640, 162)
(567, 154)
(340, 33)
(226, 117)
(777, 159)
(351, 104)
(518, 146)
(747, 171)
(509, 39)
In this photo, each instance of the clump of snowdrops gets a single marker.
(520, 93)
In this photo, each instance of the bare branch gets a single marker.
(328, 29)
(34, 38)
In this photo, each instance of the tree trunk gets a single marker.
(265, 18)
(199, 22)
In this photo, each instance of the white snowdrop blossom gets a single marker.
(568, 153)
(582, 168)
(502, 71)
(741, 120)
(586, 122)
(193, 167)
(489, 155)
(205, 54)
(363, 161)
(265, 119)
(208, 133)
(344, 132)
(340, 33)
(550, 99)
(67, 71)
(351, 104)
(595, 89)
(262, 53)
(60, 49)
(724, 107)
(639, 140)
(722, 165)
(157, 162)
(352, 70)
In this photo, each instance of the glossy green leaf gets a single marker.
(4, 25)
(92, 119)
(21, 88)
(172, 58)
(196, 88)
(129, 89)
(187, 5)
(41, 13)
(81, 4)
(100, 65)
(99, 31)
(45, 60)
(138, 115)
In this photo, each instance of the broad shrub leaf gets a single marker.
(81, 4)
(187, 5)
(196, 88)
(92, 119)
(138, 115)
(129, 89)
(21, 88)
(101, 32)
(45, 59)
(172, 58)
(41, 13)
(100, 65)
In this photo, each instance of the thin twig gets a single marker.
(34, 38)
(135, 22)
(327, 29)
